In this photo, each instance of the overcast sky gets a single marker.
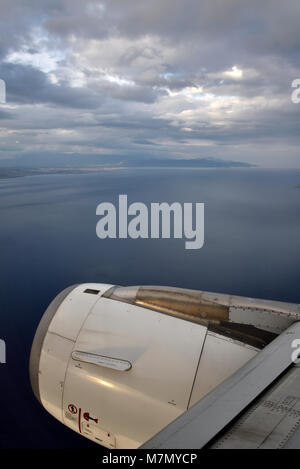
(155, 78)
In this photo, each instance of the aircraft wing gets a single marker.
(256, 407)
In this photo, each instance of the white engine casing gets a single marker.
(118, 372)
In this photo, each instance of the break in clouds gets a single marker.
(151, 79)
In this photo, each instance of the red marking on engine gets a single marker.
(79, 420)
(87, 417)
(72, 408)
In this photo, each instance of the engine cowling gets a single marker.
(117, 364)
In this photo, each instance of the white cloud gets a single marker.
(235, 73)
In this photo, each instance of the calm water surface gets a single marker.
(48, 241)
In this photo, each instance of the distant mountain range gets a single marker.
(185, 163)
(78, 164)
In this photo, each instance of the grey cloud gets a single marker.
(232, 29)
(189, 43)
(26, 84)
(135, 93)
(5, 114)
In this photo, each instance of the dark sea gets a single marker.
(48, 241)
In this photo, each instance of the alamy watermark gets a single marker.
(2, 351)
(295, 97)
(2, 92)
(296, 353)
(160, 220)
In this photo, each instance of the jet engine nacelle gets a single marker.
(117, 364)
